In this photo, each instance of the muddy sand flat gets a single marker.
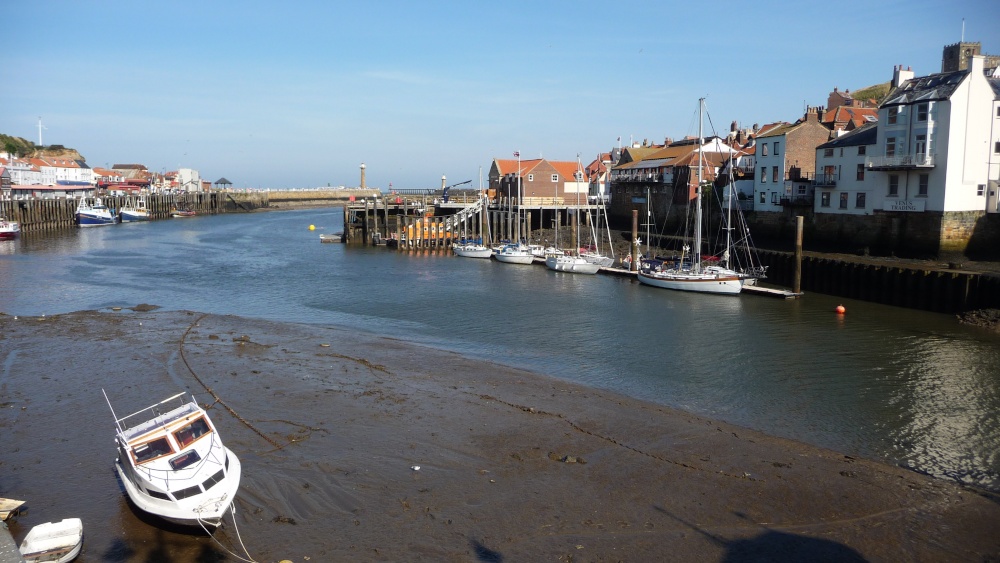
(357, 448)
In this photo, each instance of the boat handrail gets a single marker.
(188, 473)
(122, 419)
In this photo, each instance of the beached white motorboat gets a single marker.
(173, 464)
(53, 542)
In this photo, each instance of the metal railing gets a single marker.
(900, 161)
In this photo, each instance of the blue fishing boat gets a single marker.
(94, 214)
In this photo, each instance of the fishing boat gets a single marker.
(182, 213)
(692, 272)
(9, 229)
(134, 210)
(173, 464)
(94, 214)
(53, 542)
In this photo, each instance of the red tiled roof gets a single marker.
(844, 115)
(567, 169)
(509, 166)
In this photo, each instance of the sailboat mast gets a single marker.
(518, 229)
(729, 214)
(696, 255)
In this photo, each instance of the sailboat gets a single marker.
(571, 263)
(473, 248)
(577, 263)
(515, 252)
(689, 273)
(593, 253)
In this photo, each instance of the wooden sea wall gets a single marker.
(40, 215)
(929, 289)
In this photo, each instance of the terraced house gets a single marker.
(924, 179)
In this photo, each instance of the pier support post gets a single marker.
(797, 282)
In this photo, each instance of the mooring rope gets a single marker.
(218, 399)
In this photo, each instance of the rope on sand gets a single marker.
(218, 399)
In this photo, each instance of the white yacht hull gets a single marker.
(206, 508)
(472, 251)
(571, 264)
(706, 282)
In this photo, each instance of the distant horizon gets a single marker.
(301, 95)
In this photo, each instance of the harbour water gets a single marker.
(907, 387)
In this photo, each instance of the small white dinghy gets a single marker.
(57, 542)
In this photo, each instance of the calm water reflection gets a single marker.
(905, 386)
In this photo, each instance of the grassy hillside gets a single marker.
(877, 92)
(23, 147)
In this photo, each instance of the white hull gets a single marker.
(718, 282)
(58, 542)
(571, 264)
(207, 508)
(174, 465)
(472, 251)
(513, 254)
(599, 259)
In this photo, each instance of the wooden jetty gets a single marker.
(41, 215)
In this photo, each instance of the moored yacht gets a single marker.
(173, 464)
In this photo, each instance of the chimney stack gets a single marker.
(900, 76)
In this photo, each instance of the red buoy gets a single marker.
(840, 309)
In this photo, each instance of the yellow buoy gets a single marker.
(312, 227)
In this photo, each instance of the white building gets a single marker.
(22, 172)
(843, 184)
(938, 142)
(188, 180)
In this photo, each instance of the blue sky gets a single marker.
(299, 94)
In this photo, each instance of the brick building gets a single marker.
(786, 163)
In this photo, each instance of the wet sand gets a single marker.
(513, 466)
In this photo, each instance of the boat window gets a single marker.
(187, 458)
(157, 494)
(188, 492)
(188, 434)
(213, 480)
(151, 450)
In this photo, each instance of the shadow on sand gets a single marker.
(773, 545)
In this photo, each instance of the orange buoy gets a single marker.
(840, 309)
